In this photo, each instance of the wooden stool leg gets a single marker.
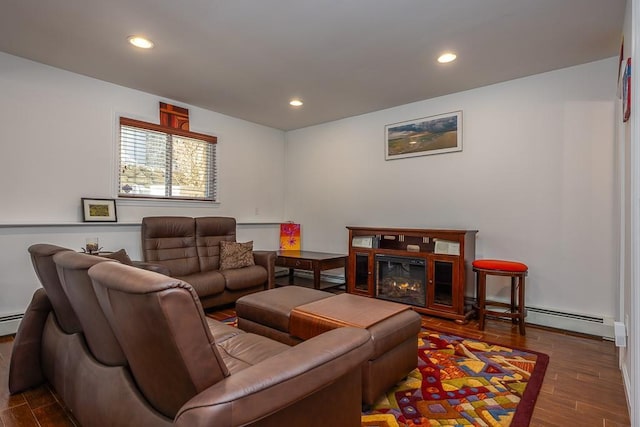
(514, 305)
(482, 290)
(521, 305)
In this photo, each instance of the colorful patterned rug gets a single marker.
(461, 382)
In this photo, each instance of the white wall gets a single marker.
(60, 129)
(535, 177)
(630, 357)
(58, 139)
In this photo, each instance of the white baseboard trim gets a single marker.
(627, 387)
(9, 324)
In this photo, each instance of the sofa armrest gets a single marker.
(158, 268)
(267, 259)
(280, 382)
(25, 369)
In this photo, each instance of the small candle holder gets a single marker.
(92, 246)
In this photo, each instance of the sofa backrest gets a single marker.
(186, 245)
(161, 327)
(210, 230)
(171, 241)
(73, 272)
(42, 259)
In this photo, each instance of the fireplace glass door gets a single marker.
(361, 280)
(401, 279)
(443, 283)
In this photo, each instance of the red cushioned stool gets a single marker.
(494, 267)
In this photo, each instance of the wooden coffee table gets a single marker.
(311, 261)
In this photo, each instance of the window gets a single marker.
(164, 163)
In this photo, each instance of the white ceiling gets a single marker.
(247, 58)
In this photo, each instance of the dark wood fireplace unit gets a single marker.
(429, 269)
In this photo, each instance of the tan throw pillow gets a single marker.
(235, 255)
(120, 255)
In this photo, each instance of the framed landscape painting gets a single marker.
(421, 137)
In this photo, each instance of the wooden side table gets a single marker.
(310, 261)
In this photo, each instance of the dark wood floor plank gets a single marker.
(613, 413)
(39, 396)
(609, 423)
(7, 400)
(19, 416)
(53, 415)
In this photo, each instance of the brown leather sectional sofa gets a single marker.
(123, 346)
(189, 249)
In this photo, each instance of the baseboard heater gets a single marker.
(583, 323)
(9, 324)
(574, 322)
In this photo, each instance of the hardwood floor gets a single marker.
(582, 387)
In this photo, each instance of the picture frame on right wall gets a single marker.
(425, 136)
(626, 91)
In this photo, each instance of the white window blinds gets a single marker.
(160, 162)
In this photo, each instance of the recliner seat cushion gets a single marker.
(244, 278)
(221, 331)
(206, 283)
(245, 350)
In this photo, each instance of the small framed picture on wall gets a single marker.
(99, 210)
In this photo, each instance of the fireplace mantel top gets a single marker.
(409, 231)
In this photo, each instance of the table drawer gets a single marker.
(302, 264)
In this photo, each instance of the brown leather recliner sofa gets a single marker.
(123, 346)
(189, 248)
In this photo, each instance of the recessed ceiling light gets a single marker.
(296, 103)
(140, 42)
(447, 57)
